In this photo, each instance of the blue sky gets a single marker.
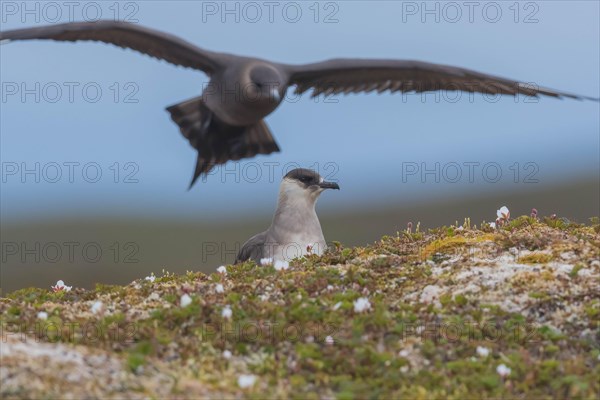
(363, 141)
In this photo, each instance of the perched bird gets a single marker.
(226, 121)
(295, 229)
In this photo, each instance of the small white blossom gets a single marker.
(482, 351)
(329, 340)
(150, 278)
(281, 265)
(503, 370)
(185, 300)
(403, 353)
(222, 270)
(460, 228)
(361, 305)
(246, 381)
(503, 213)
(226, 312)
(97, 307)
(154, 296)
(219, 288)
(493, 225)
(264, 297)
(329, 287)
(266, 261)
(337, 306)
(60, 286)
(226, 354)
(42, 315)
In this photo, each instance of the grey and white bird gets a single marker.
(227, 121)
(295, 230)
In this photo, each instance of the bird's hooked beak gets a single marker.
(329, 185)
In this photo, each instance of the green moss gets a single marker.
(379, 353)
(575, 270)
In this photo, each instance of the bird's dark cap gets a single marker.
(310, 178)
(303, 174)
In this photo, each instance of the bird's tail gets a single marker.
(215, 141)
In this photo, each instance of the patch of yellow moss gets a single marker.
(535, 258)
(451, 243)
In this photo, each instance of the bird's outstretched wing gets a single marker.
(127, 35)
(364, 75)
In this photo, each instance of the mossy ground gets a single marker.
(527, 292)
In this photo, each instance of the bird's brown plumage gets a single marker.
(368, 75)
(148, 41)
(245, 134)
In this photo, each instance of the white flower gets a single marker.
(329, 340)
(42, 315)
(404, 353)
(482, 351)
(246, 381)
(219, 288)
(226, 354)
(150, 278)
(185, 300)
(281, 265)
(337, 306)
(503, 370)
(493, 225)
(503, 213)
(97, 307)
(264, 297)
(266, 261)
(222, 270)
(362, 304)
(329, 287)
(60, 285)
(154, 296)
(226, 312)
(460, 228)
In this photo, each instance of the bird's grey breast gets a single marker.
(293, 235)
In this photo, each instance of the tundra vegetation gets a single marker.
(454, 312)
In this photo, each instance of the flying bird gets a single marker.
(295, 230)
(227, 121)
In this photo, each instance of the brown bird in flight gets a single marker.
(226, 122)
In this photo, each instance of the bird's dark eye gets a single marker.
(305, 179)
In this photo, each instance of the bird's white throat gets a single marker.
(295, 226)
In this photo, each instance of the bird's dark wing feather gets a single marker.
(253, 248)
(127, 35)
(364, 75)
